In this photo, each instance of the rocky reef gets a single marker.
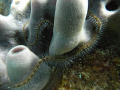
(98, 71)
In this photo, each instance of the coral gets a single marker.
(57, 40)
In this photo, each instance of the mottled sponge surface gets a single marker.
(20, 62)
(21, 66)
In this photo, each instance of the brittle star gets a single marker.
(65, 60)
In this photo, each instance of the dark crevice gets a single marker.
(112, 6)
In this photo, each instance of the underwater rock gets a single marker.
(98, 71)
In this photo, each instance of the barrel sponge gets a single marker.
(21, 63)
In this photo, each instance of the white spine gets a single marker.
(37, 13)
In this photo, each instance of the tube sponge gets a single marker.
(68, 25)
(21, 63)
